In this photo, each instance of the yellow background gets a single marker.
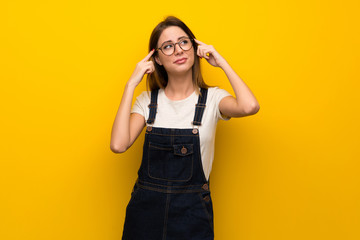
(289, 172)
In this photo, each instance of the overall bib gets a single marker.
(171, 196)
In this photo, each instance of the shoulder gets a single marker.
(142, 101)
(216, 93)
(144, 96)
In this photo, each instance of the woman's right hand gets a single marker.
(142, 67)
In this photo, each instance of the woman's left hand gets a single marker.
(214, 58)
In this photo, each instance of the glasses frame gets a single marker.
(192, 45)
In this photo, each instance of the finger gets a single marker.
(207, 54)
(199, 42)
(151, 69)
(149, 55)
(202, 54)
(150, 64)
(200, 49)
(198, 52)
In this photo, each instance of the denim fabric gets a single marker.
(153, 106)
(171, 197)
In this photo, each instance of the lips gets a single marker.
(181, 60)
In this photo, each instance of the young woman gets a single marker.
(171, 196)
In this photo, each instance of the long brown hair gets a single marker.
(159, 78)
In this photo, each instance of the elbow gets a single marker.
(253, 109)
(118, 148)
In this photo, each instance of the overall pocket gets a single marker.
(170, 162)
(206, 201)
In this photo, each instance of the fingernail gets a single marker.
(153, 49)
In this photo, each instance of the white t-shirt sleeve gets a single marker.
(141, 104)
(219, 94)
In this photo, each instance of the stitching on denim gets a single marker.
(171, 135)
(205, 209)
(201, 164)
(196, 113)
(152, 107)
(166, 216)
(189, 148)
(171, 186)
(166, 179)
(134, 192)
(201, 113)
(172, 191)
(161, 148)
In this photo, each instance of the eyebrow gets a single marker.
(171, 41)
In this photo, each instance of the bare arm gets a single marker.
(127, 127)
(245, 102)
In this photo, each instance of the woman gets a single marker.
(171, 197)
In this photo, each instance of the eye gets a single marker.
(167, 46)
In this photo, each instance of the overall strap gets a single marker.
(153, 106)
(200, 107)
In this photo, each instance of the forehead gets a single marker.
(171, 34)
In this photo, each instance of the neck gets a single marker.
(179, 86)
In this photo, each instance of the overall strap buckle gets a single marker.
(153, 106)
(199, 109)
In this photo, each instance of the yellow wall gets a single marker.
(289, 172)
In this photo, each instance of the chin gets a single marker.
(182, 68)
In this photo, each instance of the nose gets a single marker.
(177, 49)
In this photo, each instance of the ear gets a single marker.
(158, 60)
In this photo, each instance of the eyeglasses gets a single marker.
(168, 48)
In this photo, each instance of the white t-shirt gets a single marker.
(180, 114)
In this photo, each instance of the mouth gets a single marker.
(181, 61)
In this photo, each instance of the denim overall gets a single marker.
(171, 196)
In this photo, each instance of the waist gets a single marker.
(170, 188)
(185, 132)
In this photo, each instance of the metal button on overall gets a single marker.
(183, 150)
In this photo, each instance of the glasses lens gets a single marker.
(168, 48)
(185, 44)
